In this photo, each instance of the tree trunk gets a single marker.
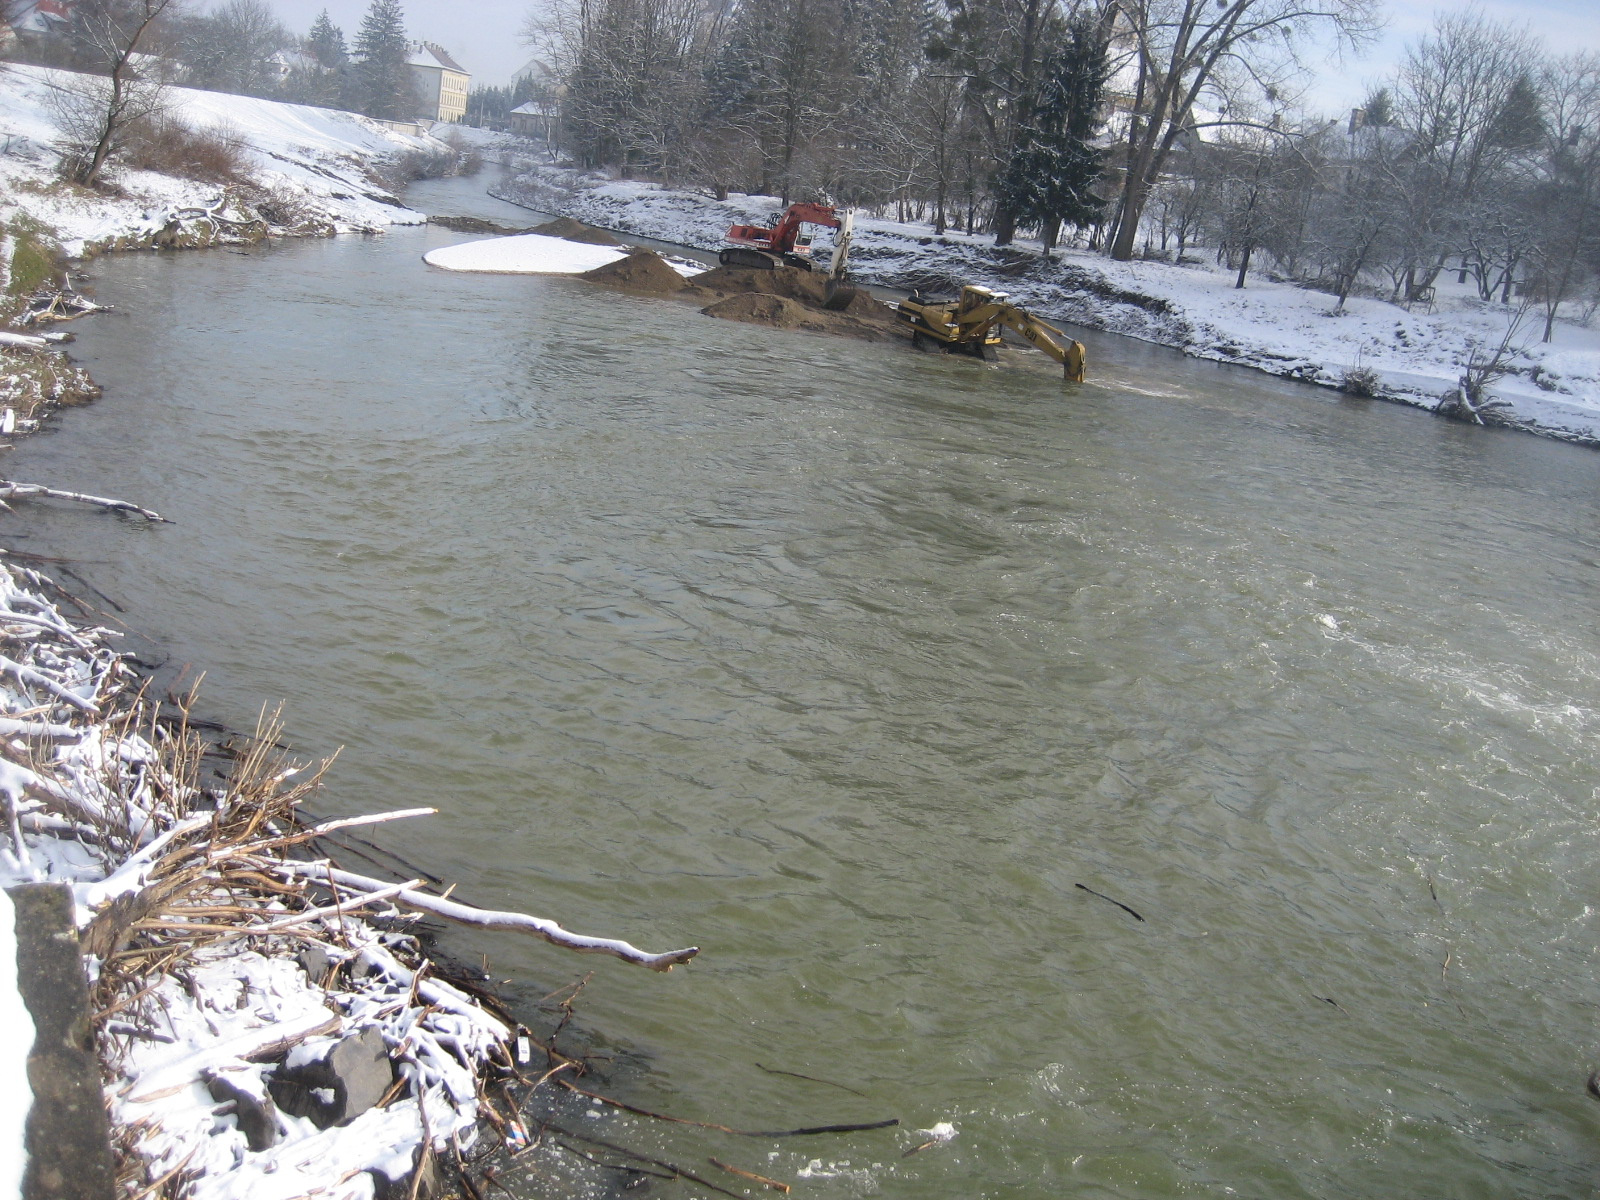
(1133, 197)
(1244, 265)
(1049, 234)
(1005, 227)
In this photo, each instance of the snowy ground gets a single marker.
(1280, 328)
(317, 157)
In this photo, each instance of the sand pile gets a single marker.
(779, 312)
(791, 282)
(575, 231)
(802, 294)
(642, 271)
(863, 306)
(474, 225)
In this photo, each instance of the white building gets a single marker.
(441, 83)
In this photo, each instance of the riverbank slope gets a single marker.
(297, 171)
(1409, 356)
(314, 169)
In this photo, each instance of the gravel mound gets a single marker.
(575, 231)
(779, 312)
(807, 287)
(642, 271)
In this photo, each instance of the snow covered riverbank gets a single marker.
(219, 995)
(267, 1030)
(302, 171)
(1415, 357)
(317, 165)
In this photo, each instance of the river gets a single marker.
(889, 680)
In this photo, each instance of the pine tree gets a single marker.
(1054, 168)
(381, 78)
(1378, 108)
(325, 43)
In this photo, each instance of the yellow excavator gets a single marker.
(971, 322)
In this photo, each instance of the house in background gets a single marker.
(36, 16)
(441, 83)
(541, 92)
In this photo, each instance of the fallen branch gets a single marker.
(257, 1043)
(23, 341)
(750, 1175)
(644, 1158)
(1107, 898)
(489, 919)
(26, 675)
(26, 491)
(755, 1133)
(812, 1079)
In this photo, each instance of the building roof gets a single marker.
(536, 69)
(37, 16)
(531, 109)
(427, 54)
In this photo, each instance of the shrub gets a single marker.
(216, 154)
(1360, 381)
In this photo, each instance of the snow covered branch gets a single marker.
(489, 919)
(24, 491)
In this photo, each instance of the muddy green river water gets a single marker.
(880, 677)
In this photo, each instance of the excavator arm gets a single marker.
(1054, 342)
(974, 324)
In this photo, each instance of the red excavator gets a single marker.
(788, 244)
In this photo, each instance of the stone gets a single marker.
(430, 1187)
(253, 1111)
(338, 1087)
(316, 963)
(68, 1137)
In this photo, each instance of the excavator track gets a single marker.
(753, 260)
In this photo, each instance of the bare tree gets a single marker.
(1567, 198)
(1354, 217)
(100, 111)
(1467, 102)
(1186, 52)
(231, 48)
(632, 71)
(1262, 178)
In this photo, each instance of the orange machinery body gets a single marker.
(783, 241)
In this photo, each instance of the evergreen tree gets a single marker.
(1378, 108)
(322, 75)
(381, 79)
(325, 43)
(1054, 167)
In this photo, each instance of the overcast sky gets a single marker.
(483, 36)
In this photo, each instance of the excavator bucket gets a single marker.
(839, 293)
(837, 296)
(1073, 362)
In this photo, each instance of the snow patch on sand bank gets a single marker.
(523, 254)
